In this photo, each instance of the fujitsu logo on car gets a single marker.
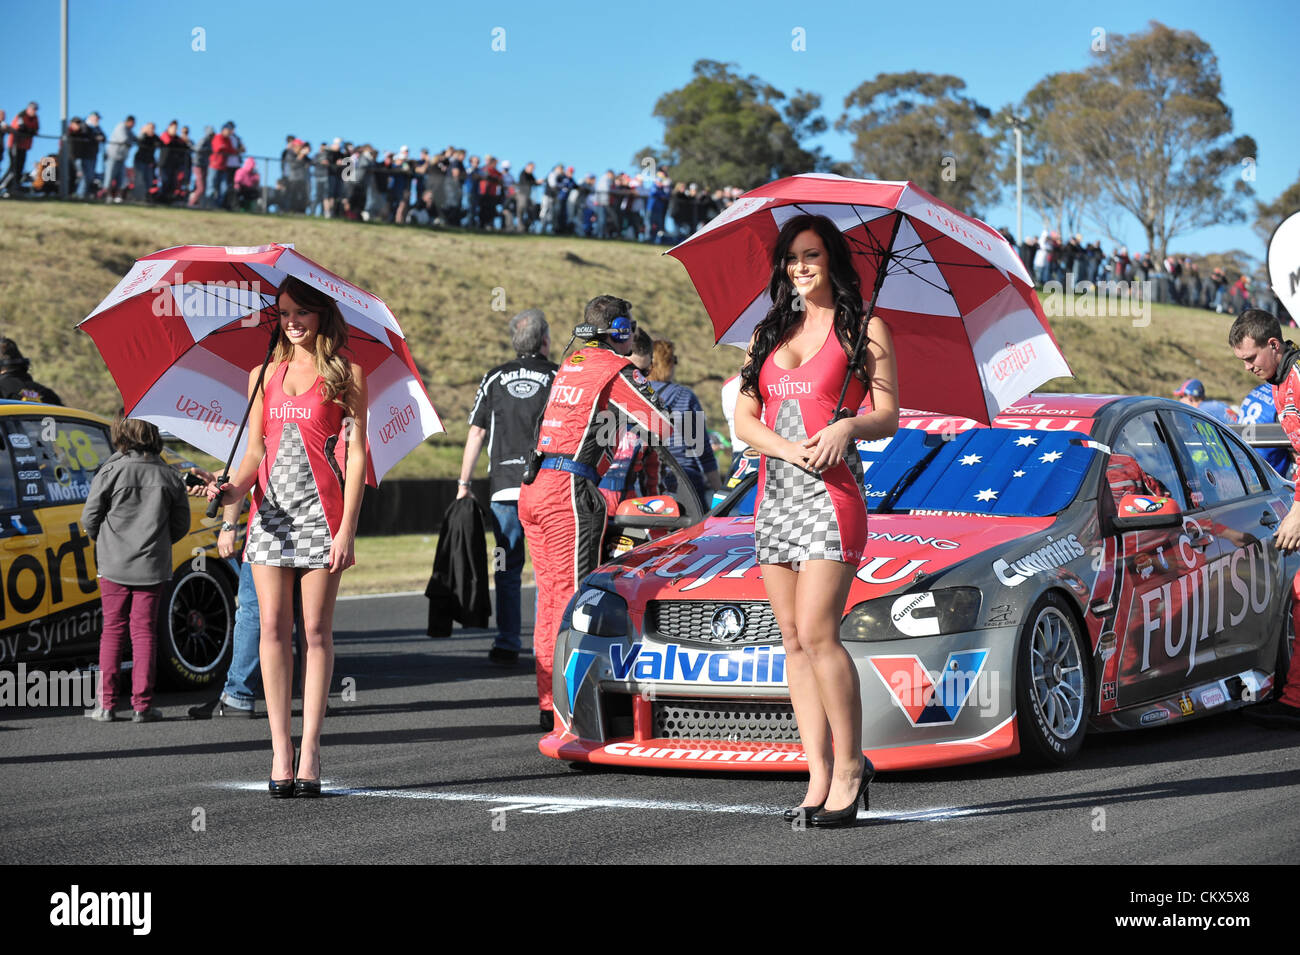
(1202, 603)
(1048, 557)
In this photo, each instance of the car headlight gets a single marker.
(598, 613)
(927, 613)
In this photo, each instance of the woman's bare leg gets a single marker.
(275, 602)
(319, 590)
(814, 729)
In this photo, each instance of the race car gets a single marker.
(1089, 561)
(49, 595)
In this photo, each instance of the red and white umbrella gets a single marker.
(970, 336)
(182, 330)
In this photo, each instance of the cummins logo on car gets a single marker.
(1052, 555)
(904, 614)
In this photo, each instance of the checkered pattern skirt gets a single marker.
(796, 517)
(289, 528)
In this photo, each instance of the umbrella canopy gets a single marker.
(970, 336)
(181, 332)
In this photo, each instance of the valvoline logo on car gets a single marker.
(755, 666)
(931, 700)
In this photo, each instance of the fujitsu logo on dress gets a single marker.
(784, 388)
(289, 412)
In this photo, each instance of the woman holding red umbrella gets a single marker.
(810, 523)
(306, 455)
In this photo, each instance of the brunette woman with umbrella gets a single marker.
(810, 521)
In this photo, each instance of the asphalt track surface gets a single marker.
(436, 761)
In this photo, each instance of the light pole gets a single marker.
(1018, 125)
(65, 150)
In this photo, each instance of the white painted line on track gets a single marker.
(395, 593)
(556, 804)
(409, 593)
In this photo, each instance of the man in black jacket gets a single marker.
(15, 382)
(506, 410)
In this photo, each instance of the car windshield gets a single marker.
(981, 471)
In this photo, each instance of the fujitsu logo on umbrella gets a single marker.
(338, 289)
(401, 418)
(209, 414)
(1018, 357)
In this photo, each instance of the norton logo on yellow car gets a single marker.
(62, 572)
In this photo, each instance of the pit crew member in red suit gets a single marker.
(1256, 338)
(596, 392)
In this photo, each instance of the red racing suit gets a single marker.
(595, 395)
(1286, 399)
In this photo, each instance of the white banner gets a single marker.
(1284, 264)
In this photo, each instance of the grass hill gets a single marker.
(454, 292)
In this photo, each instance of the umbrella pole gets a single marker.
(840, 410)
(216, 502)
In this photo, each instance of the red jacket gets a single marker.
(593, 394)
(24, 128)
(1286, 399)
(221, 148)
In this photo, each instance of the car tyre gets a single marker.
(196, 635)
(1053, 683)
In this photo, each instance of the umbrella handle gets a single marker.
(261, 377)
(840, 410)
(215, 504)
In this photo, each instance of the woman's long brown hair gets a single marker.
(331, 339)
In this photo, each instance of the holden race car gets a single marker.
(1100, 562)
(49, 595)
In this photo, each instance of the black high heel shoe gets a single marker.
(849, 814)
(283, 788)
(802, 812)
(305, 788)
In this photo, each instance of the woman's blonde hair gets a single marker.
(331, 339)
(663, 362)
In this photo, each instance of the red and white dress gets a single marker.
(298, 498)
(800, 515)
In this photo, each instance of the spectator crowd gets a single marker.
(342, 179)
(1177, 280)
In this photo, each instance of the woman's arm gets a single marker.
(342, 553)
(827, 447)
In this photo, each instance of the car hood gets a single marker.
(714, 560)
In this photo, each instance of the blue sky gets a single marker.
(577, 82)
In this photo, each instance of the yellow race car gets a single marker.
(49, 593)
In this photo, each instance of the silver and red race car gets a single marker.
(1088, 561)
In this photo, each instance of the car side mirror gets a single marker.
(1136, 511)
